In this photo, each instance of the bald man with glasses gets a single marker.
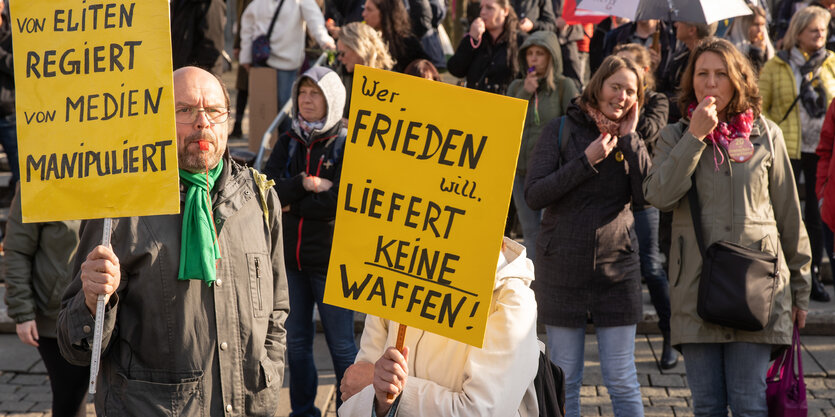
(196, 301)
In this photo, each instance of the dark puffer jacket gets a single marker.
(309, 221)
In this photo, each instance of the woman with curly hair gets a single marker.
(737, 159)
(487, 56)
(390, 18)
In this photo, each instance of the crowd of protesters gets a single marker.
(625, 121)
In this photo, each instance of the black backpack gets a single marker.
(550, 388)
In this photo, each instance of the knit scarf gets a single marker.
(306, 128)
(724, 132)
(199, 250)
(604, 124)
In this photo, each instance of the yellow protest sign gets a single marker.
(423, 197)
(95, 109)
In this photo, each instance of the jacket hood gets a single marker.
(513, 263)
(547, 40)
(331, 86)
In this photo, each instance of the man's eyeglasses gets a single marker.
(188, 114)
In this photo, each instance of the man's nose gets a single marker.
(202, 121)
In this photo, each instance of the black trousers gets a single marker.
(808, 164)
(69, 382)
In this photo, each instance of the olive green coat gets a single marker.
(754, 204)
(38, 268)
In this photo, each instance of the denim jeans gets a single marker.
(616, 346)
(646, 227)
(306, 289)
(285, 85)
(528, 218)
(727, 374)
(8, 138)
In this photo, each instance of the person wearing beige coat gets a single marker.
(752, 203)
(450, 378)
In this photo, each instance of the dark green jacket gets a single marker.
(38, 268)
(174, 347)
(552, 103)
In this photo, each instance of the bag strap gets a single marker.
(796, 350)
(275, 17)
(794, 103)
(696, 214)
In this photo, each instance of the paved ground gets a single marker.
(25, 391)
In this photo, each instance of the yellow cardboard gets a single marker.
(422, 205)
(95, 109)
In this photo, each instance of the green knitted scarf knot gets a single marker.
(199, 249)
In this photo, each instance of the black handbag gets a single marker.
(261, 45)
(550, 388)
(737, 284)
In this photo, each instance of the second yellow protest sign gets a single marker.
(423, 197)
(95, 109)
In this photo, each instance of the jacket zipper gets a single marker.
(258, 282)
(301, 218)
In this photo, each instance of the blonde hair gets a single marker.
(802, 19)
(368, 44)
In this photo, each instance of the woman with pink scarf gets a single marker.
(737, 160)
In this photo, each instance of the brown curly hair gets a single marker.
(395, 25)
(509, 33)
(746, 92)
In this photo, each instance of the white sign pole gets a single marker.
(95, 357)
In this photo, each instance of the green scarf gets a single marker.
(199, 247)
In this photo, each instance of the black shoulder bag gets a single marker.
(261, 48)
(550, 388)
(738, 284)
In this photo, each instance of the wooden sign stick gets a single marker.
(401, 338)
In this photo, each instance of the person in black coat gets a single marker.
(487, 55)
(587, 171)
(197, 34)
(8, 124)
(306, 164)
(391, 19)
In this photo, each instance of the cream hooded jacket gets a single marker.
(453, 379)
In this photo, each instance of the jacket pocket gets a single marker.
(265, 395)
(260, 283)
(170, 394)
